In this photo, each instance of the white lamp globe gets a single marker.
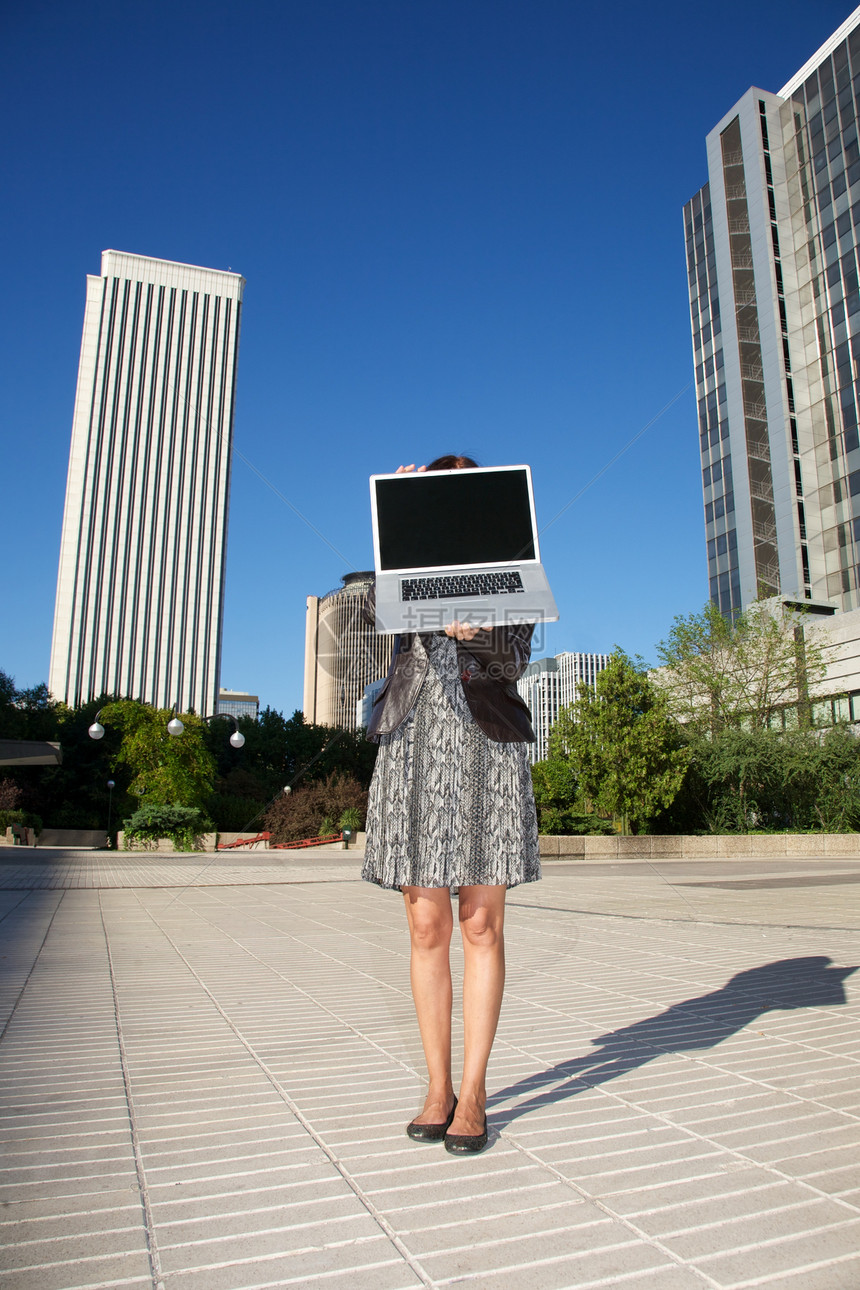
(175, 727)
(96, 731)
(237, 739)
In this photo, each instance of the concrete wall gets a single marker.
(792, 846)
(164, 846)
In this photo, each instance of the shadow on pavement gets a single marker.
(697, 1023)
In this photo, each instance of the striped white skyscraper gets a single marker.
(140, 587)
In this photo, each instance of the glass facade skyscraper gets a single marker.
(140, 586)
(772, 258)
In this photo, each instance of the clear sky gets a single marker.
(460, 225)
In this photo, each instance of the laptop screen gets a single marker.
(457, 518)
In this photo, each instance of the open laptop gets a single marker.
(457, 545)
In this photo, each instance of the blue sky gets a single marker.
(460, 225)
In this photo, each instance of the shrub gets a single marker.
(182, 824)
(27, 818)
(303, 813)
(555, 820)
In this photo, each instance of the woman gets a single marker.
(451, 806)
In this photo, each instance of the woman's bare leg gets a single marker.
(428, 911)
(482, 921)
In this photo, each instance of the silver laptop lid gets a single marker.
(453, 519)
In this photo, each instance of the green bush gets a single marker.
(182, 824)
(351, 818)
(27, 818)
(554, 820)
(768, 781)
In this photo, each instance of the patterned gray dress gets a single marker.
(449, 807)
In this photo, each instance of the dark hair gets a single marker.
(453, 463)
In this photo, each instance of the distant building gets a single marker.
(140, 585)
(772, 258)
(343, 654)
(233, 703)
(550, 684)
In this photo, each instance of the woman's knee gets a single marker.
(481, 928)
(430, 923)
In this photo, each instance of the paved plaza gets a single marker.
(208, 1063)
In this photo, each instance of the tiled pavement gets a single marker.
(207, 1065)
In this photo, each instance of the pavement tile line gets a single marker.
(140, 1170)
(317, 1003)
(804, 1269)
(670, 1050)
(364, 1199)
(690, 922)
(13, 909)
(36, 956)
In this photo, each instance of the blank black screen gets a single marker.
(466, 517)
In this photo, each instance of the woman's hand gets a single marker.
(405, 470)
(463, 631)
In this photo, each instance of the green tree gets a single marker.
(558, 802)
(622, 744)
(163, 769)
(720, 674)
(280, 751)
(29, 713)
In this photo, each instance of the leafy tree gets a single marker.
(163, 769)
(720, 674)
(556, 799)
(622, 744)
(280, 751)
(27, 714)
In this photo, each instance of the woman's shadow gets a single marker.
(697, 1023)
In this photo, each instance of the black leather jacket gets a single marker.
(490, 664)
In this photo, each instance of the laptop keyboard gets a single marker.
(452, 586)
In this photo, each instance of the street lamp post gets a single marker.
(110, 787)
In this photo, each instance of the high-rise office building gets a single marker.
(343, 654)
(550, 684)
(140, 587)
(772, 247)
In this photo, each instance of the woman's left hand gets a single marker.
(463, 631)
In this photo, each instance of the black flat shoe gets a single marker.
(430, 1132)
(464, 1144)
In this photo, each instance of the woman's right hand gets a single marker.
(404, 470)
